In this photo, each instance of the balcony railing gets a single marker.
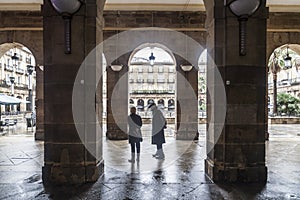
(160, 80)
(295, 81)
(21, 86)
(286, 82)
(19, 70)
(153, 92)
(9, 68)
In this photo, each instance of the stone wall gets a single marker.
(24, 27)
(283, 28)
(191, 23)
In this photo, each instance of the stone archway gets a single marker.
(33, 40)
(187, 120)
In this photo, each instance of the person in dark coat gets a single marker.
(158, 126)
(135, 134)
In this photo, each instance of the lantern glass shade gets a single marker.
(244, 7)
(66, 6)
(12, 79)
(29, 69)
(116, 68)
(186, 68)
(287, 62)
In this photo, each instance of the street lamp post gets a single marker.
(14, 58)
(12, 81)
(287, 59)
(30, 96)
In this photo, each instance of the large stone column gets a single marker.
(187, 106)
(39, 133)
(238, 153)
(67, 160)
(117, 105)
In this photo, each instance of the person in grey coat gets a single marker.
(158, 126)
(135, 134)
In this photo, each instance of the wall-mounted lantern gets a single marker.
(186, 68)
(287, 59)
(116, 68)
(66, 8)
(243, 9)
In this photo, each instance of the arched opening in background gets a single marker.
(152, 81)
(284, 81)
(202, 70)
(18, 80)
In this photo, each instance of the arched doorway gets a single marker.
(147, 83)
(18, 77)
(152, 81)
(283, 78)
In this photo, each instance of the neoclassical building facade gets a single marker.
(15, 78)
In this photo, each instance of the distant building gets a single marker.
(17, 68)
(288, 81)
(155, 83)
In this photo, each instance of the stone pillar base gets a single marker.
(116, 135)
(187, 136)
(255, 174)
(39, 135)
(70, 175)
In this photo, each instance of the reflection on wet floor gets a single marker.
(180, 176)
(116, 154)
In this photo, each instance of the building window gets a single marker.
(140, 105)
(171, 87)
(171, 105)
(150, 69)
(150, 101)
(150, 78)
(161, 78)
(140, 69)
(171, 69)
(140, 78)
(160, 69)
(171, 78)
(161, 103)
(202, 69)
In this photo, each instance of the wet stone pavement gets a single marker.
(179, 176)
